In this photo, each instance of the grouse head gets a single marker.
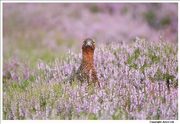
(88, 45)
(88, 48)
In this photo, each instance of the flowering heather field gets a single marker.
(133, 80)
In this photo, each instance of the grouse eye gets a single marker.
(93, 41)
(84, 40)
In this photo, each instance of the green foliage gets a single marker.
(125, 10)
(154, 21)
(133, 57)
(136, 53)
(168, 77)
(25, 84)
(94, 9)
(158, 114)
(153, 57)
(150, 17)
(144, 67)
(139, 108)
(165, 21)
(118, 116)
(163, 99)
(92, 117)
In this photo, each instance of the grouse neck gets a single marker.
(88, 58)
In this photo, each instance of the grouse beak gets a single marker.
(88, 43)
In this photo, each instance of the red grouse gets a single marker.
(86, 72)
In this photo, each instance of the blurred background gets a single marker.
(46, 31)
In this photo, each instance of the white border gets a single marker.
(76, 121)
(87, 1)
(86, 122)
(178, 60)
(1, 59)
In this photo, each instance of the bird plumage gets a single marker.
(86, 71)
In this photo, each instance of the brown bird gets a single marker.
(86, 72)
